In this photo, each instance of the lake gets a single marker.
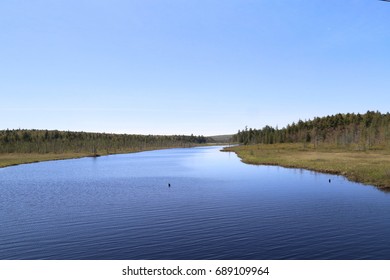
(121, 207)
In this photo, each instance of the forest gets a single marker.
(60, 142)
(358, 131)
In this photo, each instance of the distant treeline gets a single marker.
(54, 141)
(361, 131)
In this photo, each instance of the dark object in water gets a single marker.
(169, 185)
(94, 155)
(329, 180)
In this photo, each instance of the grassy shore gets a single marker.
(17, 158)
(370, 167)
(10, 159)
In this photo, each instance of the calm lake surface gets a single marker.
(120, 207)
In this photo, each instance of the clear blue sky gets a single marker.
(189, 66)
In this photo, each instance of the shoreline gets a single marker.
(365, 167)
(14, 159)
(9, 160)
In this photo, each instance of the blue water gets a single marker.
(120, 207)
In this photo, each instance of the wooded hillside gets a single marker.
(358, 131)
(54, 141)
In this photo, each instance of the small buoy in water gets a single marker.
(169, 185)
(329, 180)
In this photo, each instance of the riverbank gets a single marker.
(11, 159)
(23, 158)
(371, 167)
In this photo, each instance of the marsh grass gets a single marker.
(21, 158)
(365, 166)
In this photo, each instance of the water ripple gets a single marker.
(120, 207)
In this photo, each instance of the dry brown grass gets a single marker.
(369, 167)
(16, 158)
